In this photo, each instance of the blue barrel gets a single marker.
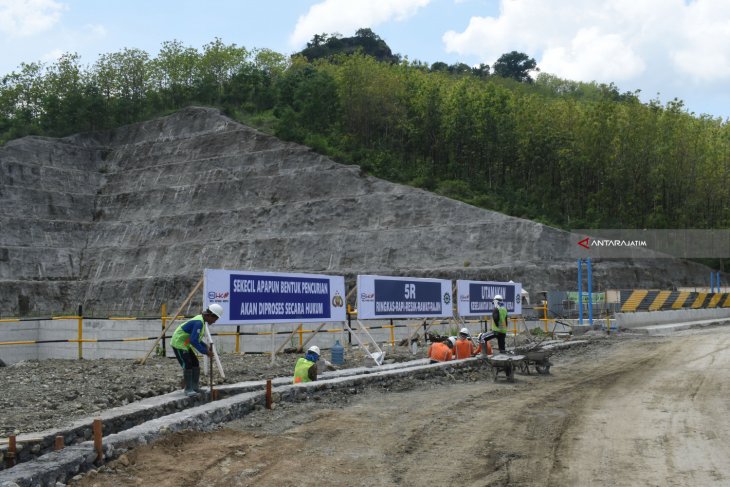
(338, 354)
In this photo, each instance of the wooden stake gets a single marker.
(268, 394)
(185, 303)
(12, 451)
(210, 374)
(310, 338)
(96, 427)
(283, 344)
(58, 445)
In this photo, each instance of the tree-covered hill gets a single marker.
(364, 41)
(571, 154)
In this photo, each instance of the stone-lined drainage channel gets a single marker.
(142, 422)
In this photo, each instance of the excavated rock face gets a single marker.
(125, 220)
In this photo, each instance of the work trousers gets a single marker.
(501, 338)
(187, 358)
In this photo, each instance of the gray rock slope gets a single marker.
(125, 220)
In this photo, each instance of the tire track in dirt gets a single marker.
(652, 425)
(604, 417)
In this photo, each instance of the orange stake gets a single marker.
(12, 450)
(97, 441)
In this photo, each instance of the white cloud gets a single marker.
(96, 30)
(52, 56)
(593, 55)
(606, 40)
(22, 18)
(347, 16)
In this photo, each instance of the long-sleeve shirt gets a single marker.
(440, 352)
(193, 327)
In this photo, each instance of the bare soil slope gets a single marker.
(125, 220)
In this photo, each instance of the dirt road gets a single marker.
(649, 411)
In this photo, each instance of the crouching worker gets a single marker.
(441, 351)
(484, 348)
(463, 348)
(187, 339)
(305, 369)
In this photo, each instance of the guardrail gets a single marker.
(657, 300)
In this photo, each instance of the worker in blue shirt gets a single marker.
(189, 337)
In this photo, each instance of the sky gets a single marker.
(665, 48)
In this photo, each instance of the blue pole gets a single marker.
(717, 281)
(590, 292)
(580, 291)
(712, 282)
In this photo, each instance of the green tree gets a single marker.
(515, 65)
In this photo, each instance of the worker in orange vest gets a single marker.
(463, 348)
(440, 351)
(485, 348)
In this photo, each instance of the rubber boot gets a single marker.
(196, 379)
(188, 375)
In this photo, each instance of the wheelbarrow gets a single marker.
(538, 358)
(505, 363)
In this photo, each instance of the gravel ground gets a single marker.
(52, 393)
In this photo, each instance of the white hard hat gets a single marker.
(452, 340)
(216, 309)
(498, 297)
(314, 349)
(464, 331)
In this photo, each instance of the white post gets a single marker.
(273, 343)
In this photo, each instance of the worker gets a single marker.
(484, 345)
(499, 325)
(440, 351)
(187, 339)
(463, 348)
(305, 369)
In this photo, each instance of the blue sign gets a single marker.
(477, 297)
(267, 297)
(402, 298)
(482, 295)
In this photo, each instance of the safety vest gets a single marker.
(301, 370)
(501, 326)
(181, 338)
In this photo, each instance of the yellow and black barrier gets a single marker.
(656, 300)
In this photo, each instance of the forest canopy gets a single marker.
(567, 153)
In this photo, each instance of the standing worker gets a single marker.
(189, 337)
(305, 369)
(499, 327)
(463, 348)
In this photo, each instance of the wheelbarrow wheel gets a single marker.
(543, 369)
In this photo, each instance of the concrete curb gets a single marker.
(53, 467)
(674, 327)
(120, 418)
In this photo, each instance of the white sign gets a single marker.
(380, 297)
(273, 297)
(474, 298)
